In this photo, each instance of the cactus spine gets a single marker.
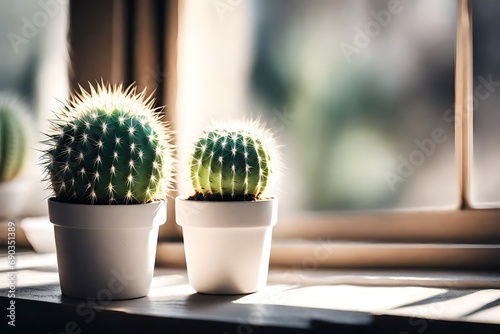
(13, 137)
(109, 146)
(233, 161)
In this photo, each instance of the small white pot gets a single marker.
(106, 252)
(13, 198)
(227, 244)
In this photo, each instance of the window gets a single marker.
(360, 95)
(486, 94)
(364, 96)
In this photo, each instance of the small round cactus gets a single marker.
(13, 137)
(109, 146)
(233, 161)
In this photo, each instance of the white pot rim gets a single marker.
(87, 216)
(226, 214)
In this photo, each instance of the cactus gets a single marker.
(109, 146)
(233, 161)
(13, 137)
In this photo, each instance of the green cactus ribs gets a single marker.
(13, 137)
(231, 163)
(108, 147)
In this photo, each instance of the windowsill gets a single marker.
(308, 255)
(294, 300)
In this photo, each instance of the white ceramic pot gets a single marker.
(227, 244)
(13, 198)
(106, 252)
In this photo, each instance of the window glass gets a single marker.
(359, 93)
(34, 63)
(485, 101)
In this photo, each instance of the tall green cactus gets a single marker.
(13, 137)
(109, 146)
(233, 162)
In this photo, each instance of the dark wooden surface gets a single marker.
(294, 301)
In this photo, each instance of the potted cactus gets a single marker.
(109, 163)
(14, 141)
(227, 223)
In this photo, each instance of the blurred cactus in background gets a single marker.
(109, 146)
(13, 136)
(233, 161)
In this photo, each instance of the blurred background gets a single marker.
(359, 93)
(485, 181)
(34, 62)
